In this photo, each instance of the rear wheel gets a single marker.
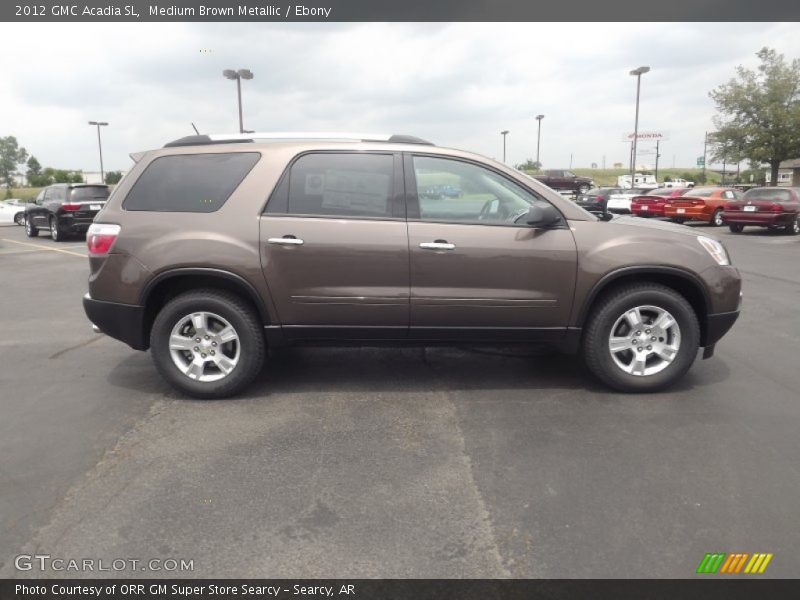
(208, 343)
(30, 229)
(641, 338)
(793, 228)
(678, 220)
(716, 218)
(736, 228)
(55, 230)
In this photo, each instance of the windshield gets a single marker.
(768, 194)
(89, 192)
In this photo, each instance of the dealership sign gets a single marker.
(646, 136)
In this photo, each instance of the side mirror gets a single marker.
(543, 216)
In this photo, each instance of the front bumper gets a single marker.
(124, 322)
(717, 326)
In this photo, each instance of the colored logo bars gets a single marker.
(742, 562)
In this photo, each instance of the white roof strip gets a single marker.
(303, 135)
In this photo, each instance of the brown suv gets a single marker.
(212, 250)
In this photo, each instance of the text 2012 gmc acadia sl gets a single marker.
(214, 248)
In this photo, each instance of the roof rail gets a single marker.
(231, 138)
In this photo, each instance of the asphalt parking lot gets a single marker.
(396, 463)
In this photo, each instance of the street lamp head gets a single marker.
(230, 74)
(539, 117)
(245, 73)
(98, 123)
(504, 132)
(640, 71)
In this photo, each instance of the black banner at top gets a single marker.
(398, 10)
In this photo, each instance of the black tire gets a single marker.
(716, 218)
(19, 218)
(242, 317)
(736, 227)
(30, 229)
(605, 314)
(794, 227)
(55, 230)
(678, 220)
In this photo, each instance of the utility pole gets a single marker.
(638, 73)
(705, 148)
(539, 137)
(657, 155)
(100, 124)
(570, 160)
(504, 133)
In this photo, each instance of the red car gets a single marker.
(652, 203)
(701, 204)
(776, 208)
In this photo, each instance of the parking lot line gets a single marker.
(44, 247)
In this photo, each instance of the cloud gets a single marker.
(456, 84)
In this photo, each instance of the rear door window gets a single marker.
(333, 184)
(199, 183)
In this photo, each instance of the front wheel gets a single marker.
(716, 218)
(641, 338)
(736, 228)
(19, 218)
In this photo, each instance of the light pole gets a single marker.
(100, 124)
(504, 133)
(638, 72)
(238, 76)
(539, 138)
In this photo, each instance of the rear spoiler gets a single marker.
(137, 156)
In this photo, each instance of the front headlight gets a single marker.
(715, 249)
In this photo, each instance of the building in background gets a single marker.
(788, 173)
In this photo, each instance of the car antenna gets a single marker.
(195, 129)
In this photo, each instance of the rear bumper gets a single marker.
(70, 224)
(651, 211)
(690, 212)
(124, 322)
(739, 217)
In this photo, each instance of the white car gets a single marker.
(12, 211)
(620, 203)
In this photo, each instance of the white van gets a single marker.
(640, 180)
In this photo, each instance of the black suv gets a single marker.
(65, 208)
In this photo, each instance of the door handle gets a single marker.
(437, 245)
(286, 241)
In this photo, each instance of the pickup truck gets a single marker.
(563, 180)
(679, 183)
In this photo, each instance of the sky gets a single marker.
(456, 84)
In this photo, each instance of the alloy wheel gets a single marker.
(644, 340)
(204, 346)
(717, 218)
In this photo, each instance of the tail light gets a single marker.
(697, 203)
(101, 237)
(599, 197)
(776, 207)
(70, 206)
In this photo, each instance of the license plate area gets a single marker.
(681, 211)
(749, 209)
(94, 207)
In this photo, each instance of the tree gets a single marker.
(529, 165)
(113, 177)
(759, 112)
(34, 172)
(11, 155)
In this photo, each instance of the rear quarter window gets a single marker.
(199, 183)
